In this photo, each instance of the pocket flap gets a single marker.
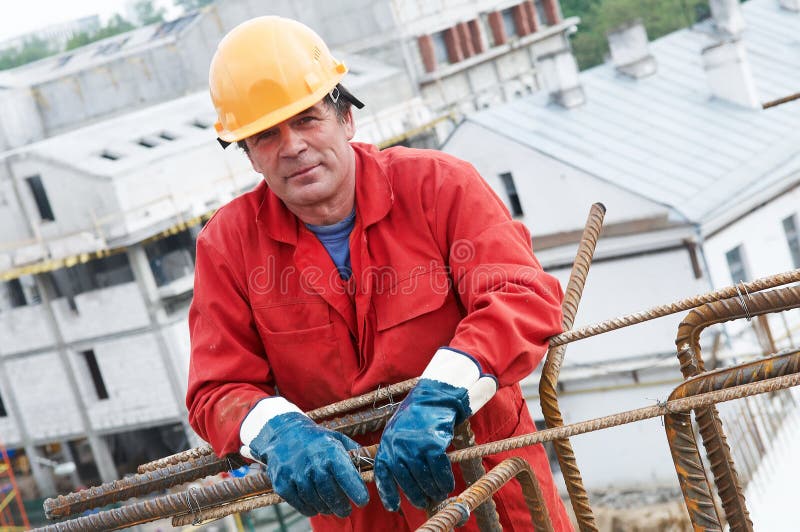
(411, 297)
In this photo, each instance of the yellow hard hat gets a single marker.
(266, 70)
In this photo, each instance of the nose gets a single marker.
(292, 142)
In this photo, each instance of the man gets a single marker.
(348, 269)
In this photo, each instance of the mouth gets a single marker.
(302, 171)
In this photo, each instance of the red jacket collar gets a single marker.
(373, 198)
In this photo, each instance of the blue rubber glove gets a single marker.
(308, 465)
(413, 445)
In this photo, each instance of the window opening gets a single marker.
(94, 371)
(511, 191)
(40, 197)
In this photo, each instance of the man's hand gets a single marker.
(413, 445)
(308, 465)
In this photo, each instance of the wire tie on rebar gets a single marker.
(195, 511)
(463, 509)
(377, 395)
(741, 299)
(363, 459)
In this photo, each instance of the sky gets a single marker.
(21, 16)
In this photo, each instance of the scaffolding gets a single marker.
(12, 512)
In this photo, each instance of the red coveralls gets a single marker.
(436, 261)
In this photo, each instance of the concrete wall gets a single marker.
(12, 218)
(20, 122)
(24, 329)
(101, 312)
(73, 197)
(10, 435)
(135, 379)
(47, 404)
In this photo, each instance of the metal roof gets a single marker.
(101, 52)
(665, 137)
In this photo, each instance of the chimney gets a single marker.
(728, 73)
(791, 5)
(559, 73)
(727, 16)
(629, 51)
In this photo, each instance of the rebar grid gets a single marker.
(681, 305)
(708, 420)
(400, 388)
(195, 468)
(194, 500)
(622, 418)
(474, 496)
(548, 384)
(683, 446)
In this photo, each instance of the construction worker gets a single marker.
(348, 269)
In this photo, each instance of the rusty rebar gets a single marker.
(133, 486)
(548, 384)
(694, 483)
(681, 305)
(472, 471)
(683, 446)
(708, 420)
(563, 338)
(191, 501)
(391, 393)
(183, 456)
(622, 418)
(483, 489)
(359, 423)
(194, 500)
(781, 101)
(192, 469)
(245, 505)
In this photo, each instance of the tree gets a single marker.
(146, 13)
(115, 25)
(32, 50)
(598, 17)
(191, 5)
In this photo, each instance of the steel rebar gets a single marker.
(133, 486)
(683, 446)
(708, 420)
(681, 305)
(472, 471)
(548, 384)
(474, 496)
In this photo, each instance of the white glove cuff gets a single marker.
(254, 421)
(460, 370)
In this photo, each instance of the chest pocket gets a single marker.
(412, 319)
(411, 298)
(302, 349)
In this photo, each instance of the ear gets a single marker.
(349, 125)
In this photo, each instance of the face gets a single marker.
(307, 160)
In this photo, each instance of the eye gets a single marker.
(265, 135)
